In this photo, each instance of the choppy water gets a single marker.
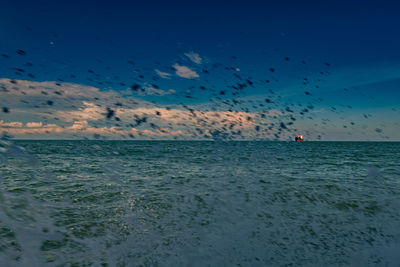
(172, 203)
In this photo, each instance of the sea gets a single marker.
(199, 203)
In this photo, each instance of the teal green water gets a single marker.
(183, 203)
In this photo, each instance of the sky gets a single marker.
(235, 70)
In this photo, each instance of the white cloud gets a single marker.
(164, 75)
(185, 72)
(195, 57)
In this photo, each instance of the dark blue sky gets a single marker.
(358, 39)
(343, 33)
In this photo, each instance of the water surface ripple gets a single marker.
(184, 203)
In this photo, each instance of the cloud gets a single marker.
(185, 72)
(167, 116)
(51, 89)
(151, 90)
(273, 113)
(34, 124)
(80, 125)
(192, 118)
(10, 124)
(195, 57)
(29, 93)
(81, 129)
(167, 123)
(164, 75)
(90, 111)
(79, 111)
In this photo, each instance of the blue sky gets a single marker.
(345, 54)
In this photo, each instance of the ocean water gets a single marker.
(199, 203)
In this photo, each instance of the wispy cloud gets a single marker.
(12, 124)
(185, 72)
(194, 57)
(164, 75)
(151, 90)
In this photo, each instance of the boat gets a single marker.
(299, 138)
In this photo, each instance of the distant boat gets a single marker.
(299, 138)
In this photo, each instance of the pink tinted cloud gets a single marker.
(84, 111)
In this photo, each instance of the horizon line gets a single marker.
(205, 140)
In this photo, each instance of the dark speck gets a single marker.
(110, 113)
(6, 110)
(20, 52)
(272, 70)
(50, 103)
(135, 87)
